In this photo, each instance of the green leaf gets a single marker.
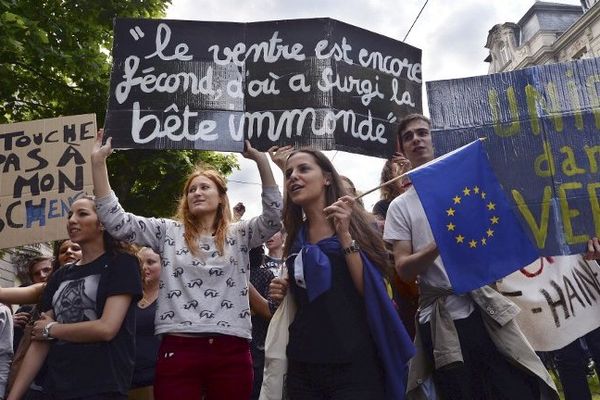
(13, 19)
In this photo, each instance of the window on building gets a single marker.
(580, 54)
(503, 55)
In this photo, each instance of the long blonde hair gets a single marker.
(190, 222)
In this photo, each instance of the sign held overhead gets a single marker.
(210, 85)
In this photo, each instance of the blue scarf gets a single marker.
(393, 343)
(312, 268)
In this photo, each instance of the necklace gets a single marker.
(146, 301)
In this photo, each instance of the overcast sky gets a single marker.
(451, 35)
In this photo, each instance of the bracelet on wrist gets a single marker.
(353, 248)
(46, 333)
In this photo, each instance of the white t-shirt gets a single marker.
(6, 346)
(406, 220)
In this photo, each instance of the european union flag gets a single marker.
(479, 237)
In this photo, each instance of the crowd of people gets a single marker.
(157, 308)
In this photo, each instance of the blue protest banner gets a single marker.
(543, 129)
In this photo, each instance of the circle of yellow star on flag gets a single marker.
(478, 194)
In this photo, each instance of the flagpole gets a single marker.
(382, 185)
(395, 179)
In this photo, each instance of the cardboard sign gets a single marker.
(43, 169)
(560, 301)
(210, 85)
(543, 130)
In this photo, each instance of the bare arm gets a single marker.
(269, 222)
(35, 357)
(339, 213)
(22, 295)
(103, 329)
(120, 224)
(354, 263)
(258, 304)
(408, 264)
(99, 171)
(262, 162)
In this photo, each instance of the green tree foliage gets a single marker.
(55, 60)
(55, 54)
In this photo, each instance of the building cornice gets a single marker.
(544, 53)
(577, 29)
(496, 29)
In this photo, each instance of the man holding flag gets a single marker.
(467, 339)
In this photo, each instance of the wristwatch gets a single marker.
(46, 331)
(353, 248)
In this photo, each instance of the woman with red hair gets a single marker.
(203, 307)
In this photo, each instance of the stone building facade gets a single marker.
(10, 259)
(547, 33)
(7, 272)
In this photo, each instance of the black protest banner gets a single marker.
(42, 171)
(543, 130)
(210, 85)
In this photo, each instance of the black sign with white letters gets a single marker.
(210, 85)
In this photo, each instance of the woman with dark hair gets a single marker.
(334, 258)
(203, 309)
(86, 332)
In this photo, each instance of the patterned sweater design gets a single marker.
(203, 294)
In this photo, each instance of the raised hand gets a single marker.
(238, 211)
(403, 163)
(339, 214)
(593, 249)
(101, 151)
(262, 162)
(252, 154)
(279, 155)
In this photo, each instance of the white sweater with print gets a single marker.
(203, 294)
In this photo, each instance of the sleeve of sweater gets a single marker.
(259, 229)
(130, 227)
(6, 348)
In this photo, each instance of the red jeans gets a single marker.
(218, 367)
